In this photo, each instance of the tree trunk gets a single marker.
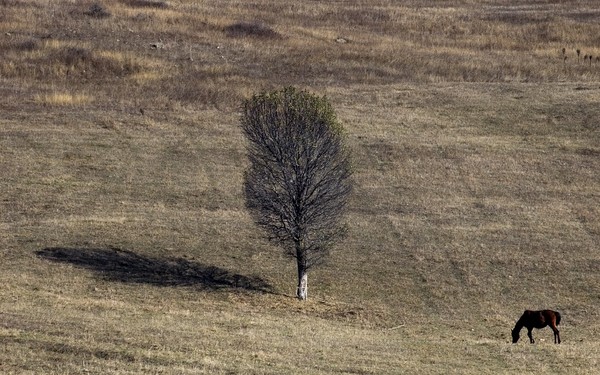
(302, 292)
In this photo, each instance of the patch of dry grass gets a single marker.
(63, 99)
(476, 153)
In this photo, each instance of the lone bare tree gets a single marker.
(298, 181)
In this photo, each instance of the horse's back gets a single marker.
(540, 317)
(552, 315)
(528, 313)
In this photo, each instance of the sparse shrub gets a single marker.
(251, 29)
(361, 17)
(50, 60)
(97, 11)
(206, 90)
(142, 17)
(28, 45)
(148, 4)
(517, 18)
(84, 62)
(73, 56)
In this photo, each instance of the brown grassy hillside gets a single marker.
(124, 243)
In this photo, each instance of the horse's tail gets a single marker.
(557, 317)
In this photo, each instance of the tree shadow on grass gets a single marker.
(128, 267)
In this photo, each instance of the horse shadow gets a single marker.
(125, 266)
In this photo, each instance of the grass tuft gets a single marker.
(97, 10)
(253, 29)
(63, 99)
(147, 4)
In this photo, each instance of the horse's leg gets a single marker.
(531, 340)
(556, 334)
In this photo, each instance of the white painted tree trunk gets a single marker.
(302, 292)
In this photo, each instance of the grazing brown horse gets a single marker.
(537, 319)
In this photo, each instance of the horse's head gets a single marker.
(515, 335)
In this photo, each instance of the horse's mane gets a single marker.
(521, 322)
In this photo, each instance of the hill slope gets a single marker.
(125, 246)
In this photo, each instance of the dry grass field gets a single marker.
(125, 247)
